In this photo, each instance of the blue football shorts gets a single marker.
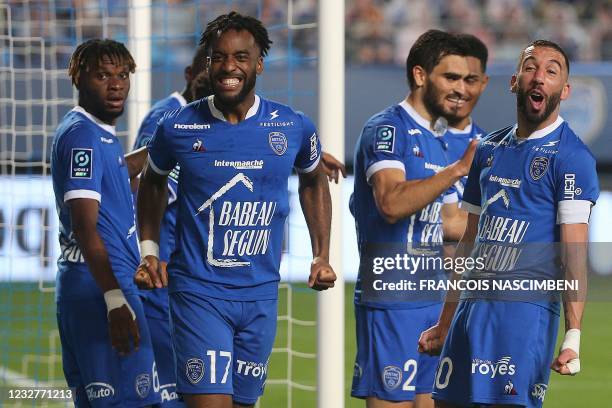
(388, 365)
(99, 376)
(164, 373)
(497, 352)
(222, 346)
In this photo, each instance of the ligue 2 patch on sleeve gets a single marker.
(80, 163)
(385, 138)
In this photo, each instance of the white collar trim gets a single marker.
(467, 130)
(538, 134)
(110, 129)
(415, 115)
(219, 115)
(179, 98)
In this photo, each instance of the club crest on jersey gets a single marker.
(538, 167)
(143, 385)
(194, 370)
(385, 138)
(80, 163)
(392, 377)
(278, 142)
(197, 146)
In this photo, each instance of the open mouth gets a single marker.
(115, 102)
(229, 83)
(537, 99)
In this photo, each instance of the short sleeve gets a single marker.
(471, 194)
(576, 187)
(309, 154)
(82, 164)
(146, 131)
(160, 155)
(382, 147)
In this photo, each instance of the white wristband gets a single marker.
(149, 247)
(114, 299)
(572, 340)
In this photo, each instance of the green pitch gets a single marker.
(31, 348)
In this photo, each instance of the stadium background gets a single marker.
(38, 37)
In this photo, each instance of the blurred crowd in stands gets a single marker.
(377, 31)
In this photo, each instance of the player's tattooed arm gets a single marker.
(432, 339)
(397, 198)
(121, 319)
(316, 206)
(151, 203)
(135, 161)
(574, 238)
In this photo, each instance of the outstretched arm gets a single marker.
(316, 206)
(152, 200)
(397, 198)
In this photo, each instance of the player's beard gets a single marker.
(247, 87)
(552, 102)
(95, 105)
(431, 100)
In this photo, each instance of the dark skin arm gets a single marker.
(84, 217)
(151, 202)
(135, 161)
(316, 206)
(332, 167)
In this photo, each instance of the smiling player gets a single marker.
(236, 152)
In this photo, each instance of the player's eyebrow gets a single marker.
(554, 60)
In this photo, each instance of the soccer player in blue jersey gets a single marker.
(236, 152)
(461, 127)
(403, 192)
(155, 302)
(106, 348)
(530, 185)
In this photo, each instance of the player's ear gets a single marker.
(565, 91)
(188, 73)
(260, 65)
(513, 83)
(485, 82)
(419, 75)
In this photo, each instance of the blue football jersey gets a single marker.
(457, 141)
(87, 162)
(399, 138)
(232, 194)
(523, 190)
(157, 304)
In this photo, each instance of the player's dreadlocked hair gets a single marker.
(546, 44)
(475, 48)
(89, 55)
(238, 22)
(429, 49)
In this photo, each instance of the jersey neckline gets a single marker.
(106, 127)
(217, 114)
